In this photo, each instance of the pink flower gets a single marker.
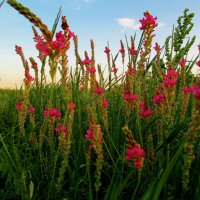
(122, 50)
(87, 61)
(148, 21)
(139, 163)
(136, 154)
(107, 50)
(89, 134)
(158, 98)
(59, 128)
(196, 93)
(172, 74)
(198, 63)
(169, 82)
(105, 103)
(130, 71)
(114, 69)
(43, 47)
(99, 90)
(157, 47)
(71, 106)
(18, 50)
(182, 62)
(186, 90)
(91, 69)
(31, 110)
(70, 35)
(132, 51)
(19, 106)
(53, 113)
(129, 97)
(146, 113)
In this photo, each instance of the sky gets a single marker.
(100, 20)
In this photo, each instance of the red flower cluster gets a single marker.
(158, 98)
(107, 50)
(60, 128)
(182, 62)
(99, 90)
(129, 97)
(53, 113)
(132, 51)
(148, 21)
(137, 154)
(170, 78)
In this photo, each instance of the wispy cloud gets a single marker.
(130, 23)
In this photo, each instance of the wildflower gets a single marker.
(99, 90)
(158, 98)
(105, 103)
(107, 50)
(19, 106)
(186, 90)
(70, 35)
(31, 110)
(129, 97)
(43, 47)
(196, 93)
(172, 74)
(59, 128)
(91, 69)
(198, 63)
(169, 82)
(114, 69)
(87, 61)
(157, 47)
(89, 135)
(18, 49)
(130, 71)
(148, 21)
(71, 106)
(132, 51)
(122, 50)
(136, 154)
(182, 62)
(53, 113)
(146, 113)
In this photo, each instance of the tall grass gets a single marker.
(129, 136)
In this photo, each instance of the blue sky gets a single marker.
(101, 20)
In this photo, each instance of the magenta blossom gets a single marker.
(99, 90)
(129, 97)
(158, 98)
(148, 21)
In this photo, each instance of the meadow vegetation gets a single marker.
(96, 133)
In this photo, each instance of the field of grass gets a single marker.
(99, 134)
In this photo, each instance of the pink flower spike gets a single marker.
(148, 21)
(31, 110)
(122, 50)
(198, 63)
(182, 62)
(105, 103)
(157, 47)
(159, 98)
(71, 106)
(70, 35)
(186, 90)
(19, 106)
(133, 51)
(89, 134)
(99, 90)
(87, 61)
(146, 113)
(107, 50)
(18, 49)
(59, 128)
(114, 70)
